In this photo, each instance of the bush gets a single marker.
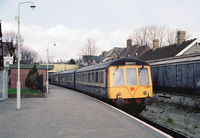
(32, 79)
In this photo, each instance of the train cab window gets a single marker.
(118, 76)
(143, 76)
(131, 76)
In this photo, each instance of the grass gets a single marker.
(23, 91)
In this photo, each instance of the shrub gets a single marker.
(32, 79)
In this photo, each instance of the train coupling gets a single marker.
(148, 101)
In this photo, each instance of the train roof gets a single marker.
(68, 71)
(115, 62)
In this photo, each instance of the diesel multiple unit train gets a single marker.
(126, 82)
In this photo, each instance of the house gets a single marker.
(112, 54)
(5, 61)
(24, 70)
(175, 68)
(88, 60)
(134, 51)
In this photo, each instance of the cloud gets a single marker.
(68, 40)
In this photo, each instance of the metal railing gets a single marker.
(3, 85)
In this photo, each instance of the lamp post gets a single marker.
(54, 44)
(19, 55)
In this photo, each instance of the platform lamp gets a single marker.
(54, 44)
(19, 55)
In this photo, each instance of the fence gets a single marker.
(183, 78)
(4, 86)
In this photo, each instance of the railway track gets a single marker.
(165, 129)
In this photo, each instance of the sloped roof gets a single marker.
(134, 51)
(29, 66)
(96, 58)
(116, 50)
(165, 52)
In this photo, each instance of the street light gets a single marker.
(54, 44)
(19, 55)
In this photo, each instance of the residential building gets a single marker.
(112, 54)
(175, 68)
(88, 60)
(134, 51)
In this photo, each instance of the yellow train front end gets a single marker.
(130, 85)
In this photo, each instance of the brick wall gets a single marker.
(23, 75)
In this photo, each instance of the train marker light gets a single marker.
(144, 92)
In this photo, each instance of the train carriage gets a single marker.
(54, 78)
(124, 81)
(67, 79)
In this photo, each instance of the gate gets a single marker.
(40, 80)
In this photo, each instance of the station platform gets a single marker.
(65, 113)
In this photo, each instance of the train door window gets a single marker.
(118, 76)
(131, 76)
(97, 77)
(86, 77)
(143, 76)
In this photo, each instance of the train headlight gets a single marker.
(144, 92)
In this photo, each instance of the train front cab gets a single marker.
(130, 85)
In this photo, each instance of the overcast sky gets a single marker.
(110, 22)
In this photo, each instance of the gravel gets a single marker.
(183, 120)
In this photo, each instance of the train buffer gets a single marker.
(67, 113)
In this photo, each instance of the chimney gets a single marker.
(155, 44)
(180, 37)
(129, 42)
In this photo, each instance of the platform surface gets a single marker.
(66, 113)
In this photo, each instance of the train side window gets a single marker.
(101, 77)
(118, 76)
(89, 77)
(131, 76)
(143, 76)
(97, 77)
(92, 77)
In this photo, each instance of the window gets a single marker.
(101, 77)
(89, 77)
(131, 76)
(97, 77)
(7, 63)
(143, 76)
(92, 77)
(118, 76)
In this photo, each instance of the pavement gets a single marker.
(65, 113)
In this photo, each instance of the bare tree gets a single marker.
(11, 42)
(146, 34)
(28, 55)
(88, 50)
